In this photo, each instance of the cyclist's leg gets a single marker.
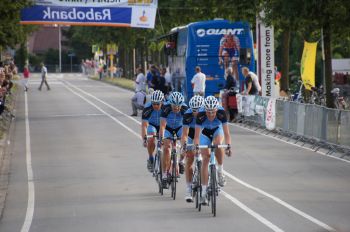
(189, 161)
(204, 140)
(217, 140)
(151, 130)
(226, 59)
(182, 156)
(166, 153)
(219, 155)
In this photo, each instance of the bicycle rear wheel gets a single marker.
(199, 185)
(160, 174)
(195, 185)
(173, 175)
(213, 187)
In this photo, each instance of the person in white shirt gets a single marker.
(138, 102)
(43, 77)
(140, 81)
(198, 82)
(168, 80)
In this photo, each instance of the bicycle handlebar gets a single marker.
(151, 136)
(213, 146)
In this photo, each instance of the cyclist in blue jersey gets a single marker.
(170, 124)
(150, 124)
(212, 127)
(189, 122)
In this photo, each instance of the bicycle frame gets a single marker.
(157, 167)
(196, 176)
(174, 164)
(213, 188)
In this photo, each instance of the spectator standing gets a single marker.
(149, 76)
(100, 69)
(138, 102)
(162, 82)
(43, 77)
(230, 83)
(251, 82)
(140, 81)
(148, 96)
(168, 80)
(230, 80)
(26, 75)
(198, 82)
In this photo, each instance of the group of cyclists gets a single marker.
(204, 122)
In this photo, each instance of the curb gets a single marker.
(5, 157)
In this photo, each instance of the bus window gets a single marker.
(245, 56)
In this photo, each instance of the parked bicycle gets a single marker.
(318, 96)
(298, 96)
(213, 187)
(339, 101)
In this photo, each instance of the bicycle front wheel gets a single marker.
(213, 186)
(173, 176)
(199, 185)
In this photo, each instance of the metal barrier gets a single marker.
(307, 122)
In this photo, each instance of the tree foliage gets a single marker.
(11, 32)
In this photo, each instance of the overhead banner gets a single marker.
(266, 57)
(307, 67)
(117, 13)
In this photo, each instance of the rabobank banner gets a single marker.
(118, 13)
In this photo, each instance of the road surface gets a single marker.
(78, 165)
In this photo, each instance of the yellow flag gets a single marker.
(308, 61)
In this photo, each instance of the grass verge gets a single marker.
(120, 81)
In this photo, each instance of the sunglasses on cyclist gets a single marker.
(156, 103)
(194, 110)
(175, 106)
(211, 112)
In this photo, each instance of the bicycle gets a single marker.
(157, 167)
(174, 162)
(213, 188)
(196, 176)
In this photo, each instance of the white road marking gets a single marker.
(228, 196)
(276, 199)
(73, 115)
(105, 103)
(102, 111)
(291, 143)
(251, 212)
(281, 202)
(31, 190)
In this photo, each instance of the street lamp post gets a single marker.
(71, 61)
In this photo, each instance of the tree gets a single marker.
(11, 32)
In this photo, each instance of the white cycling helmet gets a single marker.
(157, 96)
(211, 103)
(176, 98)
(196, 102)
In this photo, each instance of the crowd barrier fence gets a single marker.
(302, 121)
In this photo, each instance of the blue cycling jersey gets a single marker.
(173, 120)
(189, 120)
(203, 122)
(150, 115)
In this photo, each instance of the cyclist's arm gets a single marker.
(162, 127)
(226, 133)
(197, 133)
(184, 136)
(144, 126)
